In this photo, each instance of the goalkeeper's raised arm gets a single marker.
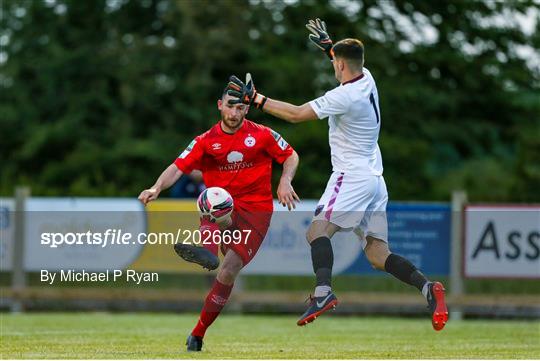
(247, 94)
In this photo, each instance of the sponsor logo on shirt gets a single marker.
(188, 149)
(236, 162)
(249, 141)
(216, 146)
(279, 139)
(235, 157)
(321, 102)
(282, 144)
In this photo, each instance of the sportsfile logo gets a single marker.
(118, 237)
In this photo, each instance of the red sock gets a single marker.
(214, 303)
(212, 242)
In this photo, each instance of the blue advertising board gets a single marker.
(418, 232)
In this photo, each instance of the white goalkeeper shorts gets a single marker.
(356, 203)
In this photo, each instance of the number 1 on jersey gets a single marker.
(372, 101)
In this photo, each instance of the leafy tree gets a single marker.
(97, 97)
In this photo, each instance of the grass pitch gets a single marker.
(151, 336)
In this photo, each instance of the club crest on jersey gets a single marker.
(249, 141)
(216, 146)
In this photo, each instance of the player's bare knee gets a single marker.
(313, 233)
(321, 229)
(227, 274)
(376, 252)
(230, 267)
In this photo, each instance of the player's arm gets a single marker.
(289, 112)
(247, 94)
(164, 181)
(285, 192)
(186, 162)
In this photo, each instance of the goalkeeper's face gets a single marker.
(232, 114)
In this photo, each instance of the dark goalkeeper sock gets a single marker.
(405, 271)
(322, 257)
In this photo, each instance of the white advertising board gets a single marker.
(502, 241)
(46, 217)
(285, 250)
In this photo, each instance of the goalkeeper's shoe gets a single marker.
(437, 305)
(318, 306)
(194, 343)
(199, 255)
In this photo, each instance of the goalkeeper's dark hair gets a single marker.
(350, 50)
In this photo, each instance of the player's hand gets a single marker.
(319, 36)
(148, 195)
(244, 92)
(286, 195)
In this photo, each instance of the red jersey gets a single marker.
(241, 162)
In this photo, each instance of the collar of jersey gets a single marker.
(231, 134)
(354, 79)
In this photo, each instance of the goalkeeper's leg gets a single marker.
(379, 256)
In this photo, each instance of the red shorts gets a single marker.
(250, 224)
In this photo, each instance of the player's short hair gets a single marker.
(224, 92)
(351, 50)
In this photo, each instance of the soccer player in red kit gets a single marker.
(235, 154)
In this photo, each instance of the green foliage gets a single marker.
(97, 97)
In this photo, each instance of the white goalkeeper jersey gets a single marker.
(354, 122)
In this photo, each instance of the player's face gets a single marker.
(232, 115)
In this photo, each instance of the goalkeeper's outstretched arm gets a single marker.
(289, 112)
(165, 180)
(245, 92)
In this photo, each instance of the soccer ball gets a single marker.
(215, 204)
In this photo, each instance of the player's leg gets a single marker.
(321, 230)
(322, 255)
(322, 258)
(207, 255)
(340, 207)
(378, 254)
(256, 220)
(216, 299)
(381, 258)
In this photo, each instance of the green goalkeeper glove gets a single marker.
(320, 37)
(244, 93)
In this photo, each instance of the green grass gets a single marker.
(151, 336)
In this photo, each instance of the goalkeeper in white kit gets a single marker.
(355, 197)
